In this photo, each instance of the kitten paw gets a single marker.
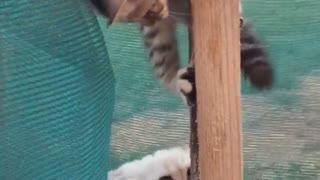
(186, 85)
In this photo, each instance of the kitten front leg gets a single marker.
(186, 85)
(160, 41)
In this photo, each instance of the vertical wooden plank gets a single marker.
(194, 141)
(217, 63)
(194, 145)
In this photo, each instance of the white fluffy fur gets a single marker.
(173, 162)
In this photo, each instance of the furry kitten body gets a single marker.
(161, 43)
(167, 164)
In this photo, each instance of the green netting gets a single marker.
(280, 127)
(56, 91)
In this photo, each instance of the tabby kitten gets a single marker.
(161, 43)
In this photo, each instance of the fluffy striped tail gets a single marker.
(255, 62)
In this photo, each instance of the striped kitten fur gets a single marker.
(167, 164)
(161, 43)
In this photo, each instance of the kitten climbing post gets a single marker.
(216, 38)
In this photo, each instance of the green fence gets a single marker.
(57, 93)
(280, 127)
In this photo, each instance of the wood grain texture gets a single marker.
(216, 39)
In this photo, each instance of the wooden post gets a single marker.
(216, 45)
(194, 141)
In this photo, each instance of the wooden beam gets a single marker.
(216, 39)
(194, 141)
